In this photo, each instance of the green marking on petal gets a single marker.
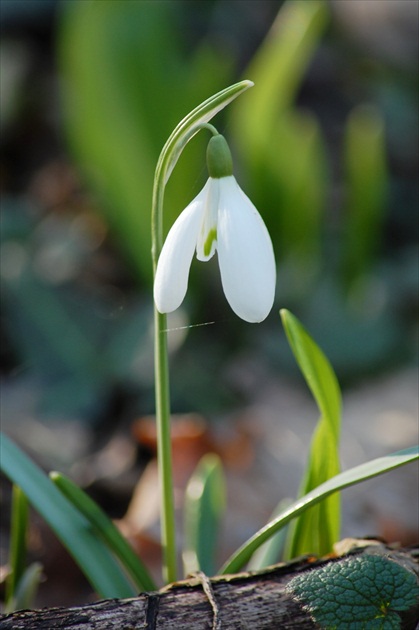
(212, 236)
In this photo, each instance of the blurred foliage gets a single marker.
(127, 84)
(205, 503)
(281, 148)
(70, 525)
(324, 145)
(366, 182)
(66, 335)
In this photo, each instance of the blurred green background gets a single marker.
(325, 144)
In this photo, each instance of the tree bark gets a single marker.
(255, 600)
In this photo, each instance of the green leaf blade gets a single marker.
(296, 176)
(106, 529)
(277, 69)
(339, 482)
(204, 507)
(269, 552)
(366, 183)
(74, 531)
(316, 530)
(17, 559)
(27, 586)
(316, 369)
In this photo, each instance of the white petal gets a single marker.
(172, 273)
(245, 252)
(207, 237)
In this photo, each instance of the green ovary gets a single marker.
(212, 236)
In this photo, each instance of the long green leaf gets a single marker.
(74, 531)
(204, 506)
(366, 184)
(343, 480)
(270, 552)
(104, 52)
(126, 82)
(26, 589)
(17, 559)
(278, 68)
(298, 182)
(316, 369)
(281, 149)
(106, 529)
(316, 530)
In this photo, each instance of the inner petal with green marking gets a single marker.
(207, 238)
(211, 238)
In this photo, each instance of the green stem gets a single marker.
(164, 447)
(17, 541)
(162, 394)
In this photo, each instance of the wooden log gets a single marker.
(255, 600)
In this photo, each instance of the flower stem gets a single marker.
(164, 447)
(162, 394)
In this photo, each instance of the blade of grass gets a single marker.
(270, 551)
(316, 369)
(278, 68)
(296, 175)
(26, 588)
(204, 506)
(343, 480)
(18, 529)
(106, 529)
(71, 527)
(366, 183)
(298, 179)
(316, 530)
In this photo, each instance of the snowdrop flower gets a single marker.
(220, 218)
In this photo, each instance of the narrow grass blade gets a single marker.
(316, 370)
(316, 530)
(298, 178)
(26, 588)
(278, 68)
(204, 506)
(366, 184)
(294, 176)
(343, 480)
(106, 529)
(118, 105)
(71, 527)
(270, 552)
(18, 529)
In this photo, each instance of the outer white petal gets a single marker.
(172, 273)
(245, 252)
